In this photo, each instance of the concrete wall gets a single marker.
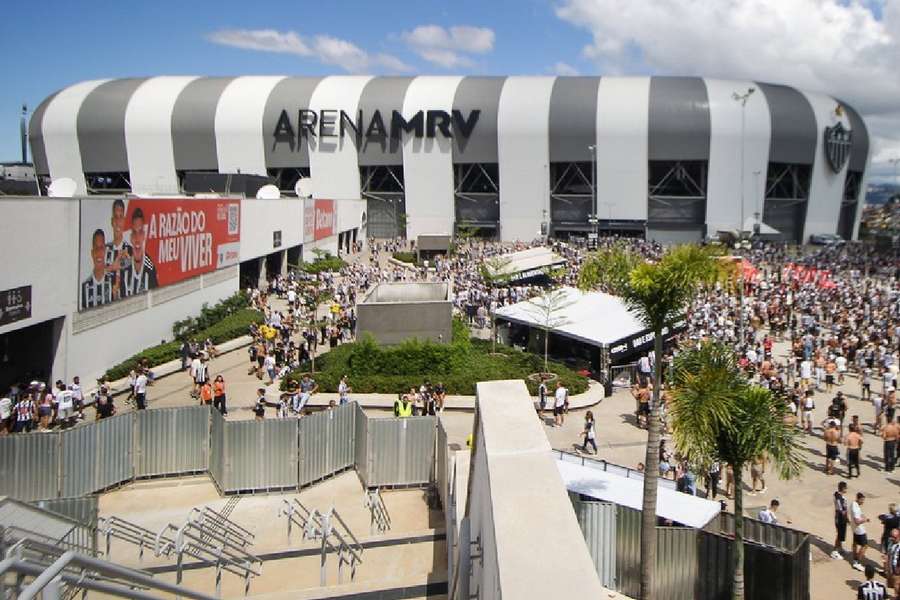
(393, 312)
(530, 543)
(40, 248)
(260, 218)
(393, 322)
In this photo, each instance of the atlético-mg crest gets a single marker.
(837, 146)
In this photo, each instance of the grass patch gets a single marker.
(407, 257)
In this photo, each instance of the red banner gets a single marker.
(132, 245)
(318, 220)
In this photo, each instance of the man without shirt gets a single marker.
(890, 434)
(854, 443)
(832, 440)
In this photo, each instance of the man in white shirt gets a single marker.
(806, 367)
(344, 391)
(561, 397)
(860, 541)
(77, 396)
(65, 406)
(767, 515)
(5, 414)
(140, 390)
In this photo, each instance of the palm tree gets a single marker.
(659, 293)
(718, 415)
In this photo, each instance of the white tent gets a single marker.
(610, 487)
(594, 318)
(528, 263)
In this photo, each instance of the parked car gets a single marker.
(826, 239)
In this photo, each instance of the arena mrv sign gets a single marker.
(289, 129)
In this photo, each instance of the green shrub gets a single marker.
(458, 365)
(322, 263)
(407, 257)
(209, 316)
(233, 326)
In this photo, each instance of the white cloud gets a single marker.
(562, 68)
(326, 49)
(448, 47)
(839, 47)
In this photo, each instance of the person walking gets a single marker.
(589, 434)
(712, 480)
(140, 390)
(219, 395)
(561, 398)
(841, 518)
(860, 540)
(890, 433)
(344, 390)
(854, 443)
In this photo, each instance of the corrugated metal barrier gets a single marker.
(29, 466)
(240, 456)
(217, 448)
(770, 573)
(598, 523)
(400, 452)
(260, 455)
(327, 443)
(171, 441)
(361, 460)
(442, 464)
(85, 510)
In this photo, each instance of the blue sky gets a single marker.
(850, 48)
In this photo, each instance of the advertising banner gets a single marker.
(132, 245)
(318, 220)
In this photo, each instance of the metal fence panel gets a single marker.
(676, 563)
(442, 465)
(362, 446)
(260, 455)
(628, 551)
(113, 461)
(217, 449)
(29, 466)
(78, 461)
(767, 534)
(715, 553)
(171, 441)
(327, 443)
(401, 451)
(598, 524)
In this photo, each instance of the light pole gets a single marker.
(593, 220)
(758, 214)
(742, 98)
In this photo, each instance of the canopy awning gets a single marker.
(526, 263)
(670, 504)
(594, 318)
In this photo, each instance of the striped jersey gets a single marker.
(134, 283)
(96, 293)
(871, 590)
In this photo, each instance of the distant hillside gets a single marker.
(880, 193)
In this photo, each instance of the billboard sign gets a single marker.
(132, 245)
(318, 220)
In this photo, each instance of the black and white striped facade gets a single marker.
(669, 150)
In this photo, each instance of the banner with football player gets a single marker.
(132, 245)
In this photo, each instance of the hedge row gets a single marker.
(210, 315)
(233, 326)
(459, 366)
(407, 257)
(324, 263)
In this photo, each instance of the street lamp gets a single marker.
(593, 220)
(742, 98)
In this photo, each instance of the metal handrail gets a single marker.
(292, 508)
(114, 527)
(23, 568)
(103, 568)
(380, 519)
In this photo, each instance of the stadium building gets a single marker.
(672, 158)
